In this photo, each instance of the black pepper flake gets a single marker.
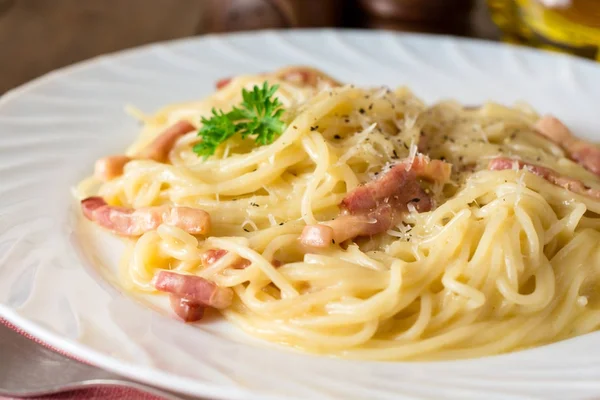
(362, 111)
(281, 223)
(538, 158)
(395, 157)
(314, 128)
(460, 158)
(422, 133)
(443, 158)
(337, 137)
(295, 127)
(347, 121)
(254, 204)
(333, 241)
(371, 106)
(415, 200)
(246, 230)
(405, 146)
(376, 173)
(445, 137)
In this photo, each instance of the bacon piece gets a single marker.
(131, 222)
(159, 149)
(276, 263)
(211, 256)
(319, 235)
(221, 83)
(305, 76)
(572, 184)
(398, 185)
(298, 74)
(110, 167)
(194, 289)
(378, 205)
(584, 153)
(186, 310)
(90, 205)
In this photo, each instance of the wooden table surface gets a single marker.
(37, 36)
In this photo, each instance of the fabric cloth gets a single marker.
(100, 393)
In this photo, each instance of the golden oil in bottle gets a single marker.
(571, 26)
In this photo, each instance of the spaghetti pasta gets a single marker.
(503, 258)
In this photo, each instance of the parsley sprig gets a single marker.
(259, 116)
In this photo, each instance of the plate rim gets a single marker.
(147, 374)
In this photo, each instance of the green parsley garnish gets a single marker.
(258, 116)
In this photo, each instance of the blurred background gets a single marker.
(37, 36)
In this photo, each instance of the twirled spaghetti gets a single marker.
(504, 256)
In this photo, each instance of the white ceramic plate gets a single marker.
(55, 278)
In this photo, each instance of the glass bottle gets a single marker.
(571, 26)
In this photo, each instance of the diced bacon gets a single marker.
(276, 263)
(317, 235)
(90, 205)
(108, 168)
(131, 222)
(348, 226)
(572, 184)
(433, 170)
(194, 289)
(211, 256)
(584, 153)
(299, 75)
(186, 310)
(159, 149)
(221, 83)
(378, 205)
(305, 76)
(398, 185)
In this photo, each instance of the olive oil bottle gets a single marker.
(571, 26)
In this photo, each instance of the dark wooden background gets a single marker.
(37, 36)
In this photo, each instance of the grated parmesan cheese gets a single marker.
(412, 153)
(272, 220)
(411, 208)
